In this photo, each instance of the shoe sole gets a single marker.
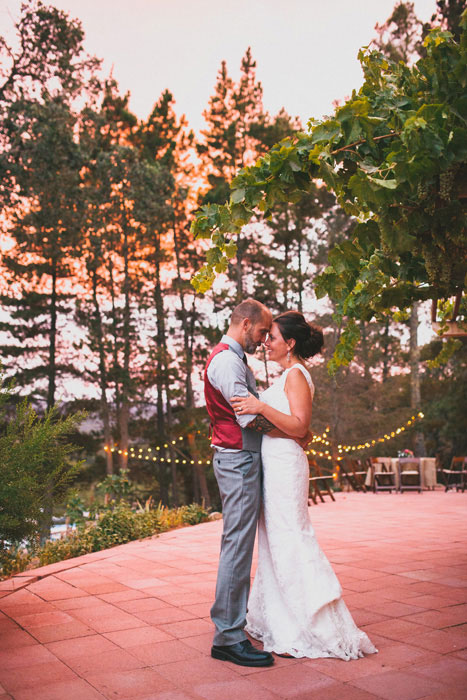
(223, 656)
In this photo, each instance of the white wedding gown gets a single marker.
(295, 605)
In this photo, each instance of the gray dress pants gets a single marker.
(238, 476)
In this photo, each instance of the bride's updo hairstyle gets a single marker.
(308, 338)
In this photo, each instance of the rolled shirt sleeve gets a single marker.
(227, 374)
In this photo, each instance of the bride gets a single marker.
(295, 606)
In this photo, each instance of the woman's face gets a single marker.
(276, 345)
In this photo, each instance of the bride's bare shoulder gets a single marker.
(297, 377)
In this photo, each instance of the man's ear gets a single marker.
(246, 324)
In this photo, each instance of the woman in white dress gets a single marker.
(295, 606)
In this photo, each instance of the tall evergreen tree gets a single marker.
(165, 140)
(125, 194)
(49, 56)
(45, 161)
(400, 37)
(231, 140)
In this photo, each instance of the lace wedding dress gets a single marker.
(295, 605)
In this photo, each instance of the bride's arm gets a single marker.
(300, 401)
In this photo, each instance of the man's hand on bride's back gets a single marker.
(304, 441)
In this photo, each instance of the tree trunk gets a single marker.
(335, 406)
(160, 363)
(173, 464)
(364, 346)
(105, 412)
(300, 271)
(286, 260)
(114, 325)
(52, 338)
(386, 351)
(46, 516)
(415, 398)
(46, 519)
(198, 471)
(188, 357)
(239, 268)
(286, 275)
(125, 398)
(265, 361)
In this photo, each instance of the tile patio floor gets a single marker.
(133, 621)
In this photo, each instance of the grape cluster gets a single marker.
(446, 182)
(422, 190)
(385, 228)
(439, 262)
(432, 263)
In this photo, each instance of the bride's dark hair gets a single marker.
(308, 338)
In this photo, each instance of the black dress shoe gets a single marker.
(243, 653)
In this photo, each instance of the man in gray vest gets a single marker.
(237, 466)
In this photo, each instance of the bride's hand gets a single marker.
(246, 405)
(305, 440)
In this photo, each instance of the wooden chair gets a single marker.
(410, 474)
(359, 469)
(456, 475)
(317, 482)
(383, 478)
(350, 470)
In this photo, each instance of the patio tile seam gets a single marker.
(42, 577)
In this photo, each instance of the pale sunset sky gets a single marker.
(306, 50)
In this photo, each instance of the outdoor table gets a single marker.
(427, 468)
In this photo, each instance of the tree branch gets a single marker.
(359, 143)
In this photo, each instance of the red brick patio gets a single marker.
(133, 622)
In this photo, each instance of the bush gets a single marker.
(35, 468)
(193, 514)
(118, 524)
(13, 560)
(117, 487)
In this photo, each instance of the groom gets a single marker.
(237, 465)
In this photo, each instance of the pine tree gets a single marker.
(400, 37)
(232, 139)
(49, 56)
(45, 225)
(165, 141)
(123, 193)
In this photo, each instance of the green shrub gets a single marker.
(13, 560)
(119, 524)
(35, 468)
(194, 514)
(75, 508)
(116, 522)
(117, 487)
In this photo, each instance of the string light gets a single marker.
(321, 440)
(318, 454)
(385, 438)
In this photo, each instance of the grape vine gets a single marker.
(395, 155)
